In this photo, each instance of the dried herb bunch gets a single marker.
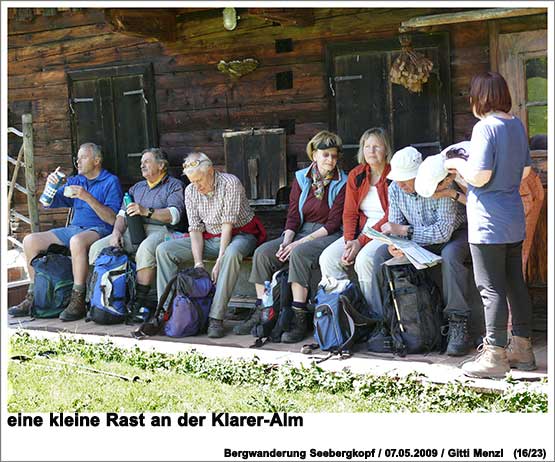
(411, 69)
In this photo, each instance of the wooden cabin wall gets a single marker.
(195, 102)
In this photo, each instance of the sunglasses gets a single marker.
(193, 163)
(325, 155)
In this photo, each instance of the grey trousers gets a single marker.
(172, 255)
(454, 274)
(302, 261)
(145, 254)
(367, 266)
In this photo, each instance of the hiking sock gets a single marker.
(81, 288)
(141, 292)
(299, 305)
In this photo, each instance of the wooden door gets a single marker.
(522, 60)
(361, 95)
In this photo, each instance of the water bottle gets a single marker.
(268, 297)
(134, 223)
(49, 192)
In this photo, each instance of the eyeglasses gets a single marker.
(193, 163)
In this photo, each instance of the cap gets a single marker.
(404, 164)
(430, 173)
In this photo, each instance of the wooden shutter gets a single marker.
(257, 158)
(361, 95)
(360, 88)
(115, 108)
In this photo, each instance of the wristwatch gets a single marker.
(150, 212)
(410, 231)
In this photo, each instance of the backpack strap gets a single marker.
(154, 326)
(347, 309)
(203, 322)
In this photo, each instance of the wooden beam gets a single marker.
(159, 24)
(29, 156)
(467, 16)
(493, 31)
(285, 16)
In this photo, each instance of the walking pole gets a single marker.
(392, 290)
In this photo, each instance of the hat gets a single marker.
(404, 164)
(431, 172)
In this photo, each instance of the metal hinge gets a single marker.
(78, 100)
(136, 92)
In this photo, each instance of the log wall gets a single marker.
(195, 102)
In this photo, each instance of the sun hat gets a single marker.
(404, 164)
(431, 172)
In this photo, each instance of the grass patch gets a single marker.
(57, 377)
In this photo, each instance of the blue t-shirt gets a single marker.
(105, 188)
(495, 210)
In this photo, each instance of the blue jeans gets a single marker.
(67, 232)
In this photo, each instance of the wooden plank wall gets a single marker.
(195, 102)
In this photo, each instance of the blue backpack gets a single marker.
(341, 318)
(111, 287)
(191, 291)
(53, 281)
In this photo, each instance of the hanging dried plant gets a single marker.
(238, 68)
(411, 69)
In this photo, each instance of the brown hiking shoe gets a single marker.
(24, 308)
(520, 353)
(76, 308)
(491, 362)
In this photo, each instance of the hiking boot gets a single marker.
(491, 362)
(520, 353)
(298, 328)
(458, 340)
(24, 308)
(246, 326)
(215, 328)
(76, 308)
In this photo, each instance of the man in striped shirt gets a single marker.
(221, 225)
(438, 224)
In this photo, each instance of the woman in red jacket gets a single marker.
(366, 205)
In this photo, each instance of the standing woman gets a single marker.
(499, 159)
(366, 205)
(313, 223)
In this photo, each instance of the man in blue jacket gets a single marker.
(95, 196)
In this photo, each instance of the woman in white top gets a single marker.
(366, 206)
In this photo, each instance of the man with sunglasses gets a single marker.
(95, 196)
(159, 201)
(221, 225)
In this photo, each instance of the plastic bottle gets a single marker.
(49, 192)
(268, 297)
(134, 223)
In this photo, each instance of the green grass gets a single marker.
(195, 383)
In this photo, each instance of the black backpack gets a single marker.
(275, 319)
(412, 305)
